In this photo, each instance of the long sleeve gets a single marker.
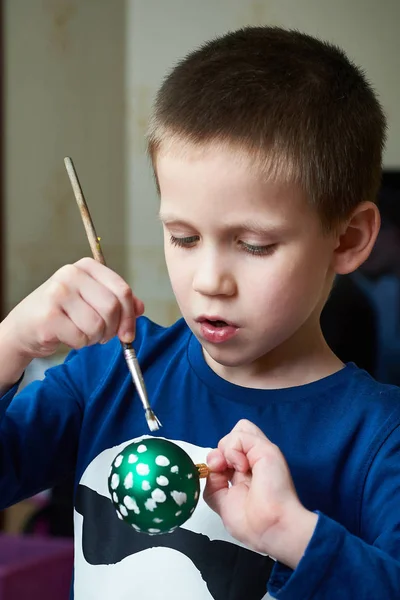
(39, 432)
(338, 564)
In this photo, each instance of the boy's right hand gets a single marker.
(80, 305)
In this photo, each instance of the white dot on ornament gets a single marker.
(175, 469)
(178, 513)
(142, 469)
(196, 495)
(115, 497)
(132, 458)
(151, 530)
(130, 503)
(135, 527)
(146, 485)
(114, 481)
(123, 510)
(190, 475)
(157, 520)
(118, 461)
(142, 448)
(119, 515)
(128, 481)
(162, 461)
(150, 504)
(158, 495)
(179, 497)
(161, 480)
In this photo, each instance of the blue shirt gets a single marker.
(340, 436)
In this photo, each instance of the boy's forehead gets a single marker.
(224, 182)
(179, 150)
(221, 159)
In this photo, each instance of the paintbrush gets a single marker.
(94, 241)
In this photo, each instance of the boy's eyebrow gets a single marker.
(248, 225)
(258, 228)
(168, 218)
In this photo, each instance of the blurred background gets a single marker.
(78, 79)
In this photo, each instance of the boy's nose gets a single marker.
(213, 279)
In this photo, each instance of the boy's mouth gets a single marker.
(216, 330)
(215, 321)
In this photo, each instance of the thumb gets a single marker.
(217, 486)
(216, 460)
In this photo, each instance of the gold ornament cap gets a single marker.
(203, 470)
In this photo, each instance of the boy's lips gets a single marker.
(215, 329)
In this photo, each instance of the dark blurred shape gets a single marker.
(348, 322)
(385, 257)
(55, 517)
(361, 320)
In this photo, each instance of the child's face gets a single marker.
(248, 261)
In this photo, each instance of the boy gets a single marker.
(266, 145)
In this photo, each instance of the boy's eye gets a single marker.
(257, 250)
(190, 241)
(184, 242)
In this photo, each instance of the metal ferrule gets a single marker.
(134, 368)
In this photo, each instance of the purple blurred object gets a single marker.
(35, 567)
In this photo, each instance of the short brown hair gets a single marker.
(290, 100)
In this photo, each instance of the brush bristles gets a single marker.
(152, 421)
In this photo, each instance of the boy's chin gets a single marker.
(219, 356)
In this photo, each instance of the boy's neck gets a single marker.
(290, 365)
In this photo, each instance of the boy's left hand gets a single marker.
(251, 488)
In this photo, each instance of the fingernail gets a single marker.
(212, 462)
(127, 337)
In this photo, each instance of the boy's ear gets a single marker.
(356, 238)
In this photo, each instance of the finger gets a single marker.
(216, 461)
(102, 302)
(244, 426)
(90, 305)
(231, 509)
(248, 427)
(218, 464)
(115, 283)
(62, 330)
(87, 320)
(243, 449)
(236, 459)
(216, 489)
(271, 474)
(139, 306)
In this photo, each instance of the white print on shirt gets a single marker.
(155, 572)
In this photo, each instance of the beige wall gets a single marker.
(64, 94)
(80, 78)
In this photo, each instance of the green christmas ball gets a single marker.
(154, 485)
